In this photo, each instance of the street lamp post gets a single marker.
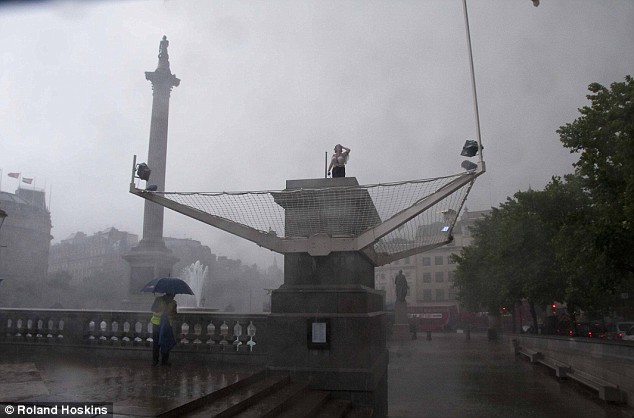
(3, 216)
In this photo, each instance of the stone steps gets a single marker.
(270, 396)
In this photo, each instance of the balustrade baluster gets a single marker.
(29, 329)
(103, 329)
(211, 331)
(184, 333)
(9, 329)
(114, 328)
(224, 331)
(251, 333)
(92, 338)
(237, 333)
(138, 332)
(126, 333)
(148, 335)
(39, 329)
(50, 328)
(198, 329)
(60, 330)
(19, 328)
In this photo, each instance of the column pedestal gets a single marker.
(146, 262)
(333, 337)
(400, 329)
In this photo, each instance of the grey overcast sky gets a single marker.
(267, 87)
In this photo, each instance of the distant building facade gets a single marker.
(84, 256)
(430, 276)
(25, 236)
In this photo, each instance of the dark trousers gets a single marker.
(156, 349)
(339, 171)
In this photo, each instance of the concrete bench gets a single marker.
(607, 391)
(561, 369)
(533, 356)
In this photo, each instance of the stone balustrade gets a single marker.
(195, 330)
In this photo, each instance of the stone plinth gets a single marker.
(313, 209)
(146, 263)
(335, 294)
(400, 329)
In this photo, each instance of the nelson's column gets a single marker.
(151, 258)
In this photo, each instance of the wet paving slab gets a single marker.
(445, 377)
(452, 377)
(136, 388)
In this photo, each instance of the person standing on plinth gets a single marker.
(338, 161)
(401, 286)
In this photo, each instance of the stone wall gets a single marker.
(607, 360)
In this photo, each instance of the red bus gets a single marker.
(433, 318)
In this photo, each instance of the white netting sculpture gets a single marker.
(385, 221)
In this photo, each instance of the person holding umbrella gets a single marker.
(163, 317)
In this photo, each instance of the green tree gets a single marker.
(512, 256)
(482, 280)
(603, 136)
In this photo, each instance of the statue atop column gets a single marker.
(163, 56)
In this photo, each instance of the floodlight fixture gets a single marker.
(152, 188)
(470, 148)
(143, 171)
(468, 165)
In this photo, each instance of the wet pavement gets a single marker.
(452, 377)
(135, 387)
(446, 377)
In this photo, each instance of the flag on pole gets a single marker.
(27, 180)
(14, 175)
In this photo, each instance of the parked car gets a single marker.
(588, 329)
(629, 335)
(618, 329)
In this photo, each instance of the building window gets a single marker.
(438, 260)
(427, 277)
(450, 275)
(426, 261)
(452, 294)
(427, 294)
(440, 294)
(451, 260)
(440, 277)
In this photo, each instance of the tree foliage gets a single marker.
(572, 241)
(603, 136)
(512, 255)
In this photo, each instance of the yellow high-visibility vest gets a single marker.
(163, 306)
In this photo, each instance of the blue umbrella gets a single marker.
(168, 285)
